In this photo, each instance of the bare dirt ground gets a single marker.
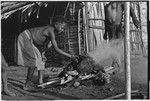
(139, 82)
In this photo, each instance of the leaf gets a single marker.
(30, 11)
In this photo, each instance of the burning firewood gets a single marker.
(85, 69)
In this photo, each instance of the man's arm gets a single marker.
(54, 43)
(134, 18)
(133, 15)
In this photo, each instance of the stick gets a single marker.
(85, 28)
(79, 41)
(66, 9)
(119, 95)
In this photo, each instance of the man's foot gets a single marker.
(38, 82)
(7, 92)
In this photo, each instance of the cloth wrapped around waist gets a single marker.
(28, 54)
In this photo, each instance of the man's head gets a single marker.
(60, 23)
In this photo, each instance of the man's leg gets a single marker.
(40, 76)
(29, 78)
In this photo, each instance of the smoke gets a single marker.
(107, 52)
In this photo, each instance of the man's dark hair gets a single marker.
(59, 19)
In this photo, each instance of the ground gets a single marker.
(117, 86)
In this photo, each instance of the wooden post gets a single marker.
(127, 51)
(89, 34)
(79, 41)
(85, 28)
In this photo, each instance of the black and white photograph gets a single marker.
(74, 50)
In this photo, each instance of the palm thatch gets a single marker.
(26, 8)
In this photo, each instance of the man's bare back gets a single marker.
(41, 34)
(113, 20)
(114, 13)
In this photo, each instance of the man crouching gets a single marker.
(31, 46)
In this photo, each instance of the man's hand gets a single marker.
(44, 57)
(75, 57)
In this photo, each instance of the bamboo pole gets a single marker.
(103, 17)
(127, 51)
(85, 28)
(97, 27)
(79, 41)
(89, 34)
(135, 30)
(97, 19)
(120, 95)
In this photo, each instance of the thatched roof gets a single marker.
(9, 8)
(28, 8)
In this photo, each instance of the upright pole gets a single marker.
(79, 41)
(127, 51)
(89, 34)
(85, 28)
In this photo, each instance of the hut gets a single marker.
(85, 24)
(84, 32)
